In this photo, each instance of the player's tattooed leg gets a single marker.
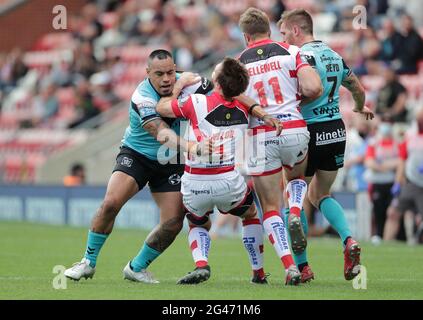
(163, 234)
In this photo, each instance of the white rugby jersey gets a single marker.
(273, 68)
(212, 117)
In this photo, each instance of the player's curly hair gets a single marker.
(233, 78)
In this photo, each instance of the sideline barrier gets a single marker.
(75, 206)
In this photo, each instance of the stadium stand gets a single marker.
(105, 49)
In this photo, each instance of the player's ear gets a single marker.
(296, 29)
(148, 70)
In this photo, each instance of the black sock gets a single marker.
(302, 265)
(346, 240)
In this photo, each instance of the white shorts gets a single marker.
(202, 192)
(268, 153)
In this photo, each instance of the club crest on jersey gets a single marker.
(228, 116)
(260, 51)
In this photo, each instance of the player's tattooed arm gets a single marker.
(166, 136)
(354, 86)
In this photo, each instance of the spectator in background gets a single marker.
(411, 48)
(363, 52)
(102, 91)
(85, 105)
(84, 61)
(13, 69)
(91, 27)
(391, 102)
(390, 42)
(382, 159)
(409, 178)
(355, 152)
(61, 73)
(76, 176)
(182, 50)
(43, 106)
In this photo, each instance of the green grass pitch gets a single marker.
(28, 253)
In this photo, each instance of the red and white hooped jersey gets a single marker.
(212, 117)
(273, 68)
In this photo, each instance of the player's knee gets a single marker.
(197, 221)
(174, 225)
(314, 197)
(251, 213)
(392, 214)
(110, 208)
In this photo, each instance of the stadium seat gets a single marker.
(54, 41)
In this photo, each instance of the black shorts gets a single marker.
(326, 147)
(411, 198)
(160, 178)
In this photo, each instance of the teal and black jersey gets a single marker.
(332, 71)
(143, 110)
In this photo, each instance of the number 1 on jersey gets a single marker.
(274, 83)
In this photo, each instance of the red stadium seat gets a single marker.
(52, 41)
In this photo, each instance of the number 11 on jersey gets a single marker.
(274, 83)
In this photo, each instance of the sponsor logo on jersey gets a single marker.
(197, 192)
(270, 142)
(329, 111)
(308, 58)
(324, 58)
(126, 162)
(339, 159)
(174, 179)
(205, 83)
(323, 138)
(147, 110)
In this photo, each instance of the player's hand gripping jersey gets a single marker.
(143, 109)
(273, 68)
(332, 71)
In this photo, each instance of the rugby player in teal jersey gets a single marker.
(327, 132)
(140, 162)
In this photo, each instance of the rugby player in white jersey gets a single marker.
(279, 78)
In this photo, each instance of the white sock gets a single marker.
(199, 242)
(296, 191)
(276, 231)
(252, 237)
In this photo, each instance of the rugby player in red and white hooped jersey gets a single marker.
(278, 76)
(211, 180)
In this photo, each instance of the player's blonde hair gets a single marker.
(254, 22)
(299, 17)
